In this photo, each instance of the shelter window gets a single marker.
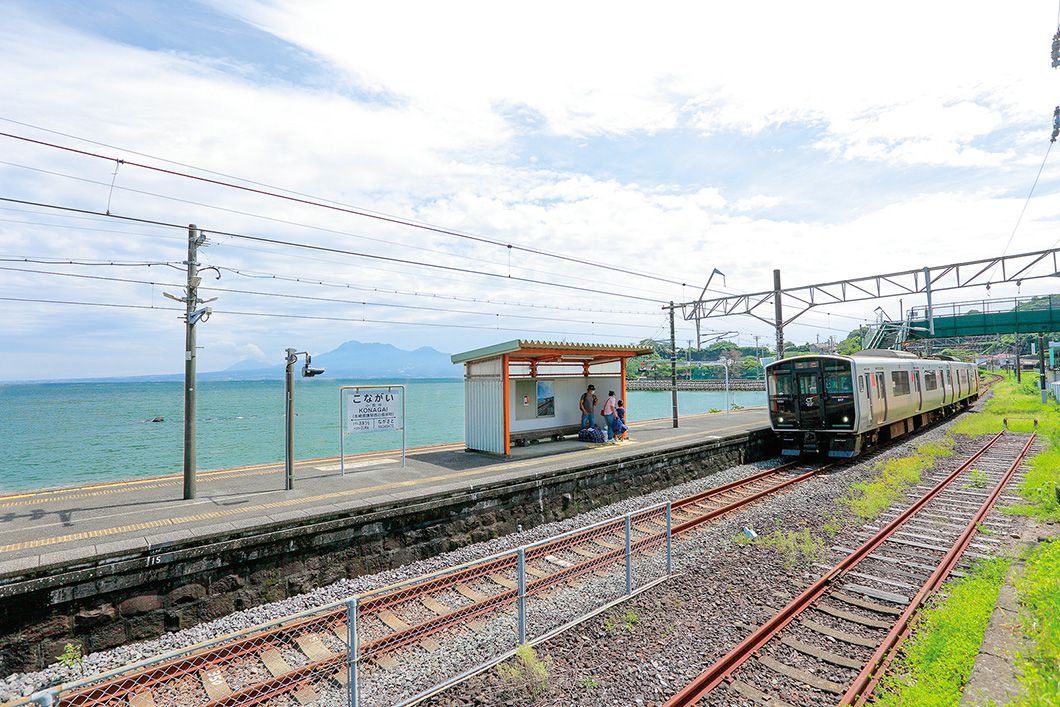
(900, 379)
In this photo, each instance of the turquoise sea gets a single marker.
(58, 434)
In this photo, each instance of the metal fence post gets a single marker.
(629, 554)
(669, 555)
(351, 642)
(522, 596)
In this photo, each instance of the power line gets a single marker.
(344, 209)
(442, 325)
(64, 261)
(318, 299)
(180, 200)
(327, 249)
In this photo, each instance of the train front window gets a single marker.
(839, 395)
(780, 383)
(838, 380)
(807, 384)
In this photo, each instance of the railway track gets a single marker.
(834, 641)
(305, 660)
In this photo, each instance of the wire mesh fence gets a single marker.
(398, 644)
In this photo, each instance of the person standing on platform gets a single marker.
(608, 411)
(621, 429)
(587, 404)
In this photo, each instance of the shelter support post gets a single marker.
(506, 401)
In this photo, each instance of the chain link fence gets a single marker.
(399, 644)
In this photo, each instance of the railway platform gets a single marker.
(38, 528)
(119, 561)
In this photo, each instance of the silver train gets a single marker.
(841, 405)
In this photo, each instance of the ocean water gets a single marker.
(73, 433)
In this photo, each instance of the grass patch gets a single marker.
(1039, 598)
(1021, 405)
(793, 545)
(867, 499)
(937, 659)
(525, 673)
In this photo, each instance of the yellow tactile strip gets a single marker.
(294, 502)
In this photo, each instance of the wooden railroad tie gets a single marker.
(213, 681)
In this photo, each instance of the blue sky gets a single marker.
(824, 139)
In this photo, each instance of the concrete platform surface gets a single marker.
(40, 528)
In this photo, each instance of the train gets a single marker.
(839, 406)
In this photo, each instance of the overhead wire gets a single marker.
(248, 214)
(345, 209)
(443, 325)
(389, 305)
(328, 249)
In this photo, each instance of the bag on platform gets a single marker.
(591, 434)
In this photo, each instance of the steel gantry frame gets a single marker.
(973, 273)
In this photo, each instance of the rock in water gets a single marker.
(159, 419)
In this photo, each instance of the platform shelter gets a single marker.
(520, 391)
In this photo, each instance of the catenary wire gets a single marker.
(345, 209)
(285, 295)
(326, 249)
(225, 209)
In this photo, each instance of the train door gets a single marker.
(870, 392)
(918, 389)
(881, 380)
(809, 400)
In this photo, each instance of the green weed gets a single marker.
(72, 657)
(1038, 591)
(589, 684)
(794, 545)
(937, 659)
(525, 672)
(977, 479)
(630, 619)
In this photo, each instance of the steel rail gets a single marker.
(716, 673)
(102, 693)
(870, 675)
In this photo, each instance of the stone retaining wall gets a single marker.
(103, 602)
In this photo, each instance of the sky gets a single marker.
(826, 139)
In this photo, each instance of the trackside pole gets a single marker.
(629, 554)
(351, 642)
(522, 595)
(669, 525)
(191, 302)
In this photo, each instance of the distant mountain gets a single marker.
(355, 359)
(352, 359)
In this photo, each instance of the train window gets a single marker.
(807, 385)
(780, 384)
(861, 384)
(916, 381)
(901, 382)
(837, 379)
(931, 381)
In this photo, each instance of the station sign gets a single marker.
(374, 409)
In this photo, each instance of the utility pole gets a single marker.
(1019, 366)
(778, 314)
(673, 363)
(190, 319)
(1041, 366)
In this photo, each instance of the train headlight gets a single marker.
(846, 419)
(780, 419)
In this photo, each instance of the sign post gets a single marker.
(370, 408)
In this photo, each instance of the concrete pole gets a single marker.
(930, 312)
(191, 297)
(778, 314)
(1019, 366)
(288, 384)
(673, 364)
(1041, 367)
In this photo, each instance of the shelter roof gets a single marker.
(554, 350)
